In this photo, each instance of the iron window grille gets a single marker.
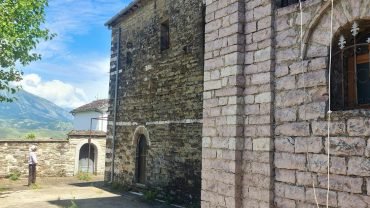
(350, 72)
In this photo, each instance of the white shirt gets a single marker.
(32, 159)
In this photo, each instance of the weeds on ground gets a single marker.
(73, 204)
(14, 175)
(35, 186)
(115, 186)
(82, 176)
(150, 195)
(2, 189)
(30, 136)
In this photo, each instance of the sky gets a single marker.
(75, 64)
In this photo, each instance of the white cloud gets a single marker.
(58, 92)
(68, 18)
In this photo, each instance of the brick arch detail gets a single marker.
(140, 130)
(344, 12)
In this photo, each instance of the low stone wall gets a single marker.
(55, 157)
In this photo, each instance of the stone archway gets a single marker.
(97, 151)
(140, 130)
(87, 158)
(316, 39)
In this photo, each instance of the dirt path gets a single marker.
(61, 192)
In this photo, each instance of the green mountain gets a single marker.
(32, 114)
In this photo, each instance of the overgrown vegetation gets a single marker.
(30, 136)
(83, 176)
(14, 175)
(150, 195)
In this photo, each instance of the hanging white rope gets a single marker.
(329, 112)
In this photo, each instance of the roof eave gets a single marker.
(122, 12)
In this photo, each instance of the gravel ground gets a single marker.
(61, 192)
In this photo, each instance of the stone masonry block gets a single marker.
(284, 144)
(320, 128)
(352, 201)
(314, 110)
(359, 166)
(290, 161)
(285, 114)
(263, 144)
(308, 144)
(338, 165)
(321, 197)
(293, 129)
(358, 127)
(262, 54)
(318, 163)
(346, 146)
(341, 183)
(289, 98)
(287, 176)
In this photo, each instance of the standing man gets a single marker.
(32, 162)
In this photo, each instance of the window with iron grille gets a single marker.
(284, 3)
(350, 72)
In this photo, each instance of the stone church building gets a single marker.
(234, 90)
(159, 98)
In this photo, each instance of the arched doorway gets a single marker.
(87, 163)
(141, 154)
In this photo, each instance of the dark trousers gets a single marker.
(31, 174)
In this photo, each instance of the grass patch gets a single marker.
(2, 189)
(14, 175)
(82, 176)
(35, 186)
(30, 136)
(150, 195)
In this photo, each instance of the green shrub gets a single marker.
(14, 175)
(150, 195)
(83, 176)
(30, 136)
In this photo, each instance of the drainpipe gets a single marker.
(115, 103)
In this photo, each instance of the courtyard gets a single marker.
(68, 192)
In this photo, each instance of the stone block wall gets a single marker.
(160, 97)
(272, 105)
(223, 104)
(56, 158)
(301, 107)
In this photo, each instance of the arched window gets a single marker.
(350, 80)
(141, 153)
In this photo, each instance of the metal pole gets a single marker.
(115, 102)
(88, 158)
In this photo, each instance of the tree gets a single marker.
(20, 32)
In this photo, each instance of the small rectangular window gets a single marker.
(284, 3)
(165, 35)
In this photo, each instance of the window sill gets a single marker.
(351, 113)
